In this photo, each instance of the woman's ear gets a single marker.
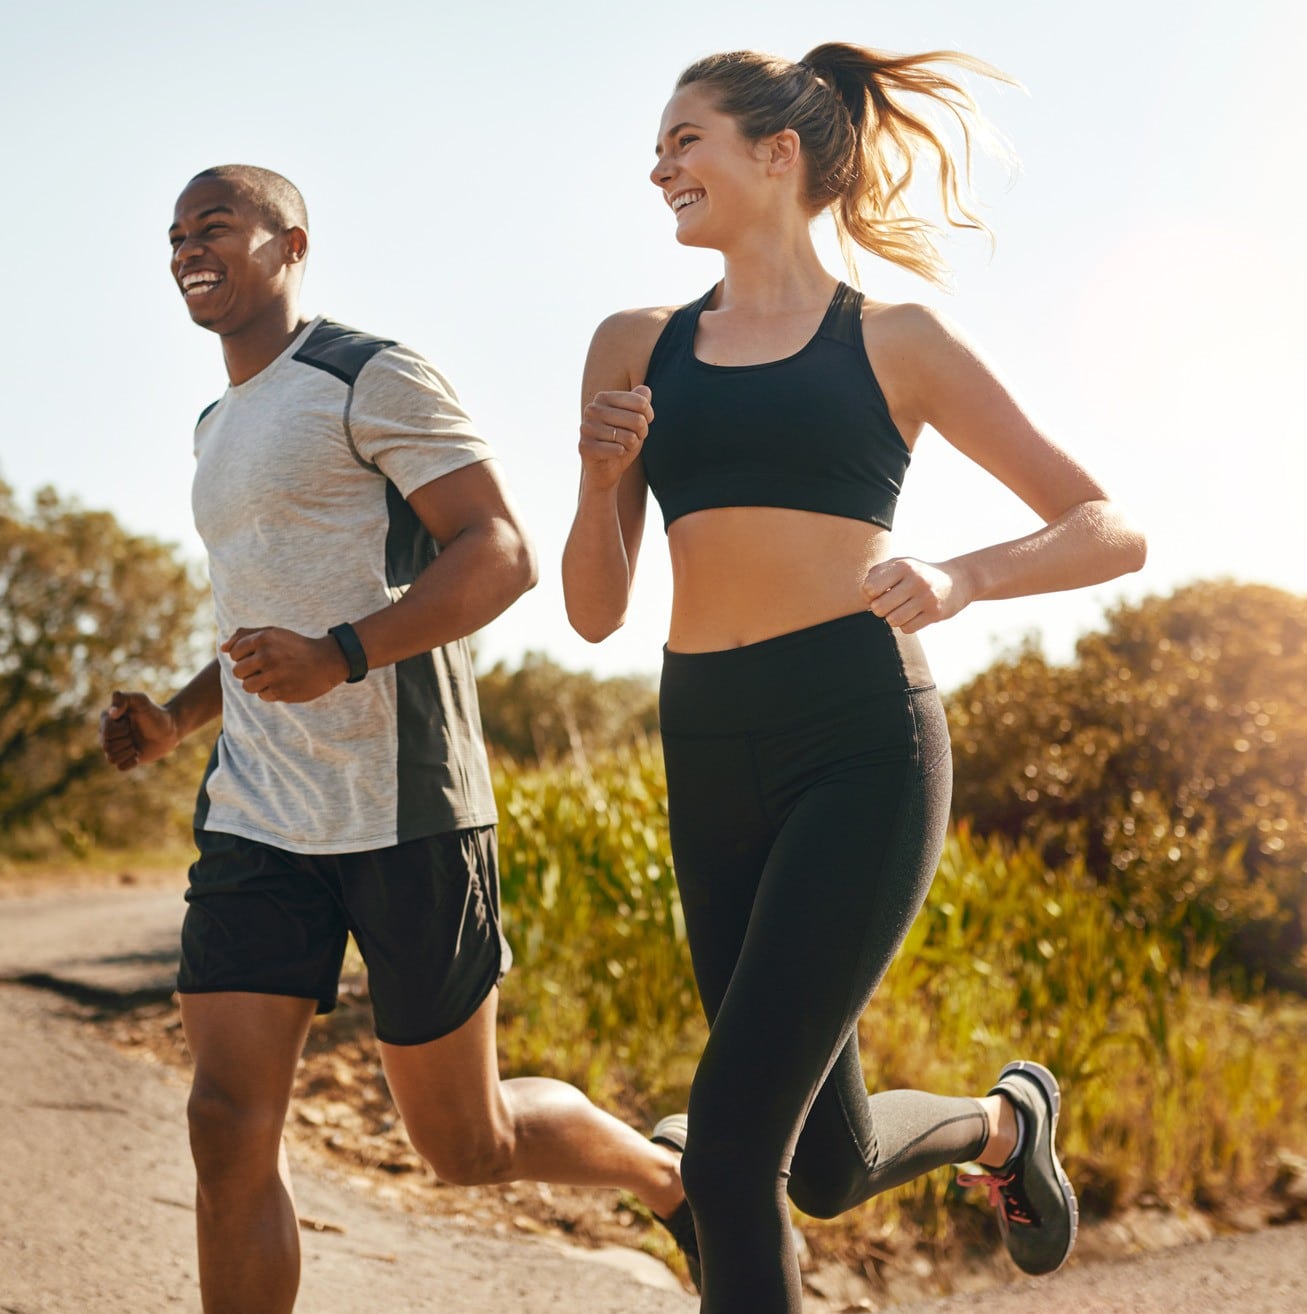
(782, 150)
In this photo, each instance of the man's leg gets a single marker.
(245, 1047)
(473, 1128)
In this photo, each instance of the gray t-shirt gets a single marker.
(299, 494)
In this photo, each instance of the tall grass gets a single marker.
(1171, 1088)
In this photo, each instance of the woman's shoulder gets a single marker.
(910, 347)
(908, 321)
(624, 342)
(913, 337)
(635, 326)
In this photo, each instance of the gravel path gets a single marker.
(96, 1213)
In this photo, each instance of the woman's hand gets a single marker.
(912, 594)
(613, 429)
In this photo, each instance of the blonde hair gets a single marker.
(860, 140)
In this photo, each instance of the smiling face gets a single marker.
(710, 175)
(229, 263)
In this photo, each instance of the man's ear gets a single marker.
(296, 245)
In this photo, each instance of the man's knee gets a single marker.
(231, 1137)
(468, 1152)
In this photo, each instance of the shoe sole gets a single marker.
(1047, 1083)
(671, 1131)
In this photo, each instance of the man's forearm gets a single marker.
(476, 577)
(198, 702)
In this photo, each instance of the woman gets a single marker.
(807, 755)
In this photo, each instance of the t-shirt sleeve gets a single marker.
(405, 418)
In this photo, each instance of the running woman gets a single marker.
(358, 529)
(808, 763)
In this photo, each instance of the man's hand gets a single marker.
(134, 731)
(281, 666)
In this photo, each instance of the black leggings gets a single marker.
(808, 781)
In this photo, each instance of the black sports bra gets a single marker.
(811, 432)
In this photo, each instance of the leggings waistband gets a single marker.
(789, 679)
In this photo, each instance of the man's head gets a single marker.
(239, 237)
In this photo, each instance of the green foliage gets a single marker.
(85, 607)
(1171, 1088)
(1171, 757)
(604, 986)
(541, 712)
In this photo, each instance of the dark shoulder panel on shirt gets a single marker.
(204, 413)
(340, 350)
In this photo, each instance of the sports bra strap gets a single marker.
(844, 322)
(678, 334)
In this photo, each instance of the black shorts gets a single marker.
(425, 916)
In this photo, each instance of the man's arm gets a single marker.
(486, 563)
(135, 730)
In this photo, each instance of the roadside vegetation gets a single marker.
(1123, 896)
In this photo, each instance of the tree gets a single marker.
(542, 712)
(1171, 755)
(85, 607)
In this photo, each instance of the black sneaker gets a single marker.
(671, 1132)
(1037, 1211)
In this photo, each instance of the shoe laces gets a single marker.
(1004, 1195)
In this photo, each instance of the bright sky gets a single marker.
(476, 176)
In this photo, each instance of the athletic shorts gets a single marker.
(425, 916)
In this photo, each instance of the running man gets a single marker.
(358, 529)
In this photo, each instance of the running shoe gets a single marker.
(671, 1132)
(1037, 1211)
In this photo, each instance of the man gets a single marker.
(358, 529)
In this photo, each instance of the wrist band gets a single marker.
(355, 658)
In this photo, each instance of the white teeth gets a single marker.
(686, 198)
(199, 282)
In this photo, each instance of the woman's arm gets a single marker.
(601, 550)
(940, 380)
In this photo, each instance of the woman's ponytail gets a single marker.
(861, 140)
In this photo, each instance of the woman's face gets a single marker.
(708, 173)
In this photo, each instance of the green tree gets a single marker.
(541, 711)
(1171, 756)
(85, 607)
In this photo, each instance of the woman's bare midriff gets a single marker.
(744, 574)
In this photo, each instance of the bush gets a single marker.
(1171, 757)
(85, 607)
(542, 712)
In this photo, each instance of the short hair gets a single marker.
(277, 199)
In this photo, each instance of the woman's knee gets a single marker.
(824, 1192)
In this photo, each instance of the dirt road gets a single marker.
(96, 1184)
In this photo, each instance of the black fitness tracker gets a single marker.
(355, 657)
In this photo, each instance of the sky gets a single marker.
(477, 182)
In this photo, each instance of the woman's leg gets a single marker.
(803, 856)
(853, 1145)
(837, 894)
